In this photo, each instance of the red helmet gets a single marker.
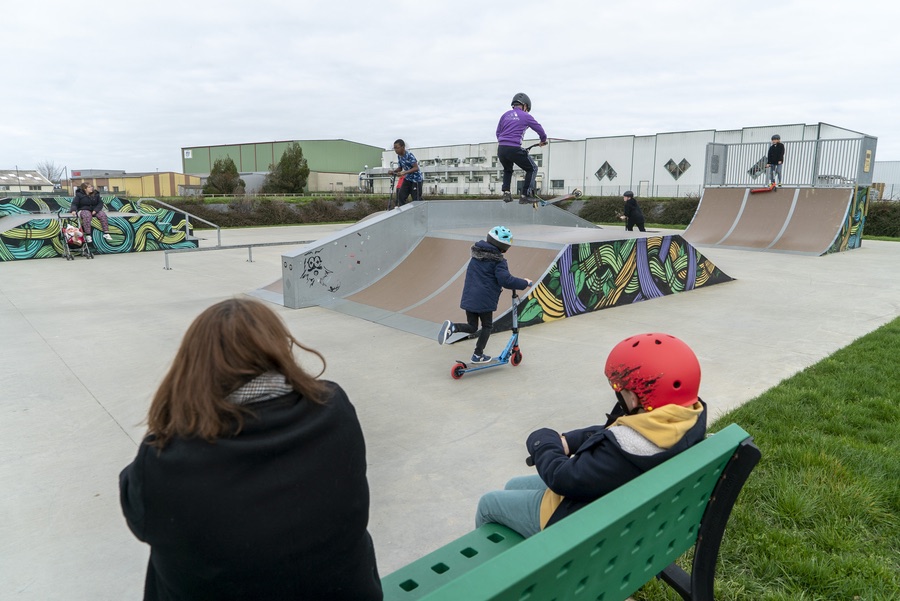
(660, 369)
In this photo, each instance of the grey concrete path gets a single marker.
(84, 343)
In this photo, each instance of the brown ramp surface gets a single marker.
(524, 262)
(716, 215)
(430, 265)
(816, 221)
(762, 219)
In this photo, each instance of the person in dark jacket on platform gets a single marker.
(775, 160)
(87, 204)
(251, 482)
(656, 378)
(486, 276)
(633, 216)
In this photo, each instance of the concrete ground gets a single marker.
(85, 343)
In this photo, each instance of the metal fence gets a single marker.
(818, 163)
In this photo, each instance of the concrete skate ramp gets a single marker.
(798, 220)
(406, 268)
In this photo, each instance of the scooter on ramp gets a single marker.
(511, 354)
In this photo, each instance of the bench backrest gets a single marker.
(612, 547)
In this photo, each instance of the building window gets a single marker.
(115, 188)
(34, 187)
(677, 169)
(557, 183)
(538, 159)
(605, 170)
(4, 187)
(495, 161)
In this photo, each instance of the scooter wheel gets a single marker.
(516, 358)
(458, 371)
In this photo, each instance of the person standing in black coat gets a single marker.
(632, 213)
(775, 160)
(251, 482)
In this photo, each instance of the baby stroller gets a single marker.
(71, 234)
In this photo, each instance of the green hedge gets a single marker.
(883, 219)
(668, 211)
(883, 216)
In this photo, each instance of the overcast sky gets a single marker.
(100, 85)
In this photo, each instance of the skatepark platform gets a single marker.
(406, 268)
(810, 221)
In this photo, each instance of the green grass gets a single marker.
(819, 518)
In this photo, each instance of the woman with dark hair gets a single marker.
(87, 204)
(251, 482)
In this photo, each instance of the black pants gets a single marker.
(629, 225)
(515, 155)
(407, 188)
(487, 325)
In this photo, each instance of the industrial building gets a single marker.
(119, 183)
(661, 165)
(334, 165)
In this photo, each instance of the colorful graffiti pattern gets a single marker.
(854, 223)
(598, 275)
(24, 236)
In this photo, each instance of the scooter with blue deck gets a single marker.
(511, 353)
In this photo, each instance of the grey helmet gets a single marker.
(523, 99)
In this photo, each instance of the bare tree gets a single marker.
(51, 171)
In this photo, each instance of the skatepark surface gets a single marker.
(86, 342)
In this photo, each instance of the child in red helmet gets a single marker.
(656, 378)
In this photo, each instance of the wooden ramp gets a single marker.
(811, 221)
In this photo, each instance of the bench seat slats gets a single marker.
(604, 551)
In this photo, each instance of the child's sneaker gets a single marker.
(107, 237)
(446, 330)
(88, 238)
(481, 359)
(507, 197)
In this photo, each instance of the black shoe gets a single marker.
(507, 197)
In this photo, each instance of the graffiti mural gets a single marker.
(598, 275)
(854, 223)
(30, 229)
(315, 272)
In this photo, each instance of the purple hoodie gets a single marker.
(512, 126)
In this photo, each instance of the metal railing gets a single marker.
(249, 248)
(817, 163)
(187, 217)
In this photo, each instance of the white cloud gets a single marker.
(119, 87)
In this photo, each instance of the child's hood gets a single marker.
(485, 251)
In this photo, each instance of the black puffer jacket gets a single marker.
(87, 202)
(598, 464)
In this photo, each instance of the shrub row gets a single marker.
(668, 211)
(253, 211)
(883, 216)
(883, 219)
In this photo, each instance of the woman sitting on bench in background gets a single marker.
(251, 482)
(656, 378)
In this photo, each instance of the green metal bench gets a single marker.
(607, 550)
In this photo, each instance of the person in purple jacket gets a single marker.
(510, 132)
(486, 276)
